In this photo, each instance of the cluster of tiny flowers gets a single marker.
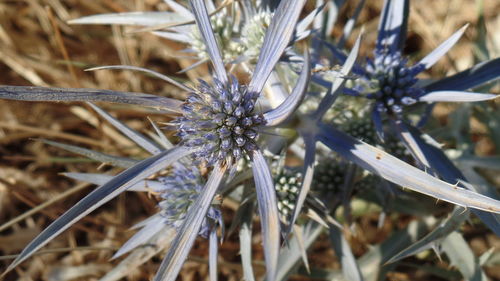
(367, 183)
(361, 129)
(287, 184)
(181, 188)
(219, 122)
(253, 33)
(328, 176)
(395, 147)
(223, 28)
(390, 82)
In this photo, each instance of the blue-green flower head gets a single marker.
(181, 189)
(287, 183)
(390, 82)
(328, 176)
(253, 33)
(220, 122)
(361, 129)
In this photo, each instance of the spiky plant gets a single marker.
(224, 125)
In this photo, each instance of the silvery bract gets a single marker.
(228, 132)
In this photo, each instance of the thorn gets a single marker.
(437, 251)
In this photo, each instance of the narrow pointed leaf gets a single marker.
(332, 94)
(148, 71)
(101, 157)
(444, 228)
(268, 211)
(244, 218)
(161, 136)
(299, 237)
(29, 93)
(326, 20)
(350, 24)
(213, 253)
(178, 8)
(143, 236)
(288, 107)
(201, 15)
(139, 256)
(343, 251)
(462, 257)
(174, 36)
(277, 37)
(290, 257)
(245, 236)
(187, 233)
(138, 138)
(456, 96)
(434, 158)
(193, 66)
(393, 25)
(429, 154)
(98, 197)
(302, 25)
(100, 179)
(341, 57)
(146, 221)
(308, 172)
(372, 262)
(246, 206)
(377, 122)
(131, 18)
(475, 76)
(442, 49)
(401, 173)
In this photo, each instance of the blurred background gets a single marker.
(38, 47)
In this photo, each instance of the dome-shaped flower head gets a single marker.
(219, 124)
(392, 83)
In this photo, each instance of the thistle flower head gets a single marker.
(253, 33)
(367, 183)
(287, 183)
(181, 189)
(218, 125)
(219, 122)
(328, 176)
(361, 129)
(390, 82)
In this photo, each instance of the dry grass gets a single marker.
(37, 47)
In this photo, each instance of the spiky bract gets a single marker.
(224, 31)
